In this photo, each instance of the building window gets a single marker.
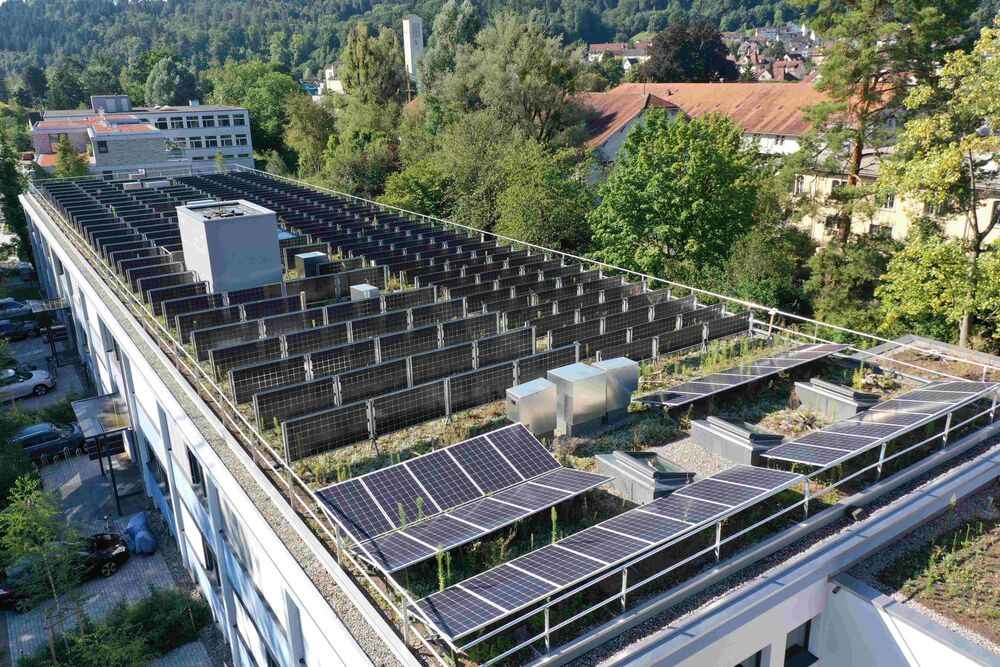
(238, 119)
(800, 185)
(889, 201)
(241, 140)
(271, 661)
(995, 216)
(211, 565)
(779, 140)
(223, 120)
(211, 142)
(180, 142)
(161, 123)
(198, 158)
(243, 155)
(226, 140)
(756, 660)
(196, 142)
(102, 146)
(193, 122)
(157, 472)
(197, 476)
(891, 123)
(933, 209)
(836, 184)
(880, 231)
(176, 123)
(797, 647)
(208, 121)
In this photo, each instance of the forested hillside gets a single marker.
(308, 33)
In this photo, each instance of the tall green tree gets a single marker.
(279, 51)
(456, 24)
(70, 163)
(310, 126)
(135, 74)
(681, 193)
(263, 91)
(99, 77)
(65, 88)
(877, 50)
(546, 199)
(843, 278)
(943, 156)
(169, 82)
(373, 69)
(689, 52)
(520, 73)
(35, 86)
(39, 543)
(12, 183)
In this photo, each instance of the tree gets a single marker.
(4, 91)
(520, 73)
(34, 85)
(134, 76)
(14, 462)
(263, 91)
(169, 82)
(280, 54)
(99, 76)
(65, 89)
(681, 193)
(843, 278)
(12, 183)
(877, 49)
(373, 69)
(423, 187)
(689, 51)
(310, 126)
(943, 157)
(456, 24)
(36, 538)
(767, 266)
(70, 163)
(360, 165)
(546, 200)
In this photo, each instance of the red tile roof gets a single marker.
(98, 124)
(48, 160)
(759, 108)
(616, 110)
(611, 46)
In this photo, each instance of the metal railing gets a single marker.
(303, 499)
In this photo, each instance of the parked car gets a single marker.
(15, 331)
(48, 439)
(17, 384)
(101, 556)
(12, 308)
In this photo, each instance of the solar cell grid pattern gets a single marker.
(882, 423)
(700, 388)
(582, 556)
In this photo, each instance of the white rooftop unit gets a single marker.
(363, 291)
(581, 398)
(534, 405)
(623, 381)
(231, 245)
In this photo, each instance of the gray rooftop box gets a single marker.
(733, 439)
(833, 401)
(534, 405)
(622, 382)
(581, 398)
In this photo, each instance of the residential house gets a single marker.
(616, 114)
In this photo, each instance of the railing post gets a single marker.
(404, 618)
(337, 540)
(993, 408)
(805, 505)
(881, 461)
(548, 639)
(718, 542)
(624, 586)
(947, 430)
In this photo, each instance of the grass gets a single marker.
(957, 574)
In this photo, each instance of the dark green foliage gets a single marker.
(130, 635)
(12, 183)
(689, 52)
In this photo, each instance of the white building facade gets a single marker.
(239, 539)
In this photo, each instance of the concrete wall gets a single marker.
(45, 142)
(127, 150)
(261, 598)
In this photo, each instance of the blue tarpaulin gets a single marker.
(139, 536)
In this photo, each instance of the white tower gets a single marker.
(413, 44)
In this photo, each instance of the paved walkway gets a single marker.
(69, 377)
(193, 654)
(87, 498)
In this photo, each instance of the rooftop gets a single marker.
(759, 108)
(421, 370)
(615, 110)
(71, 113)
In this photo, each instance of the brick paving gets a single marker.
(192, 654)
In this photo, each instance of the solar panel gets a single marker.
(488, 513)
(686, 510)
(531, 497)
(716, 491)
(688, 392)
(506, 587)
(456, 612)
(439, 472)
(603, 545)
(520, 448)
(879, 424)
(398, 494)
(761, 478)
(484, 464)
(556, 565)
(644, 526)
(356, 507)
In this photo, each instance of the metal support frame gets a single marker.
(718, 542)
(947, 430)
(881, 460)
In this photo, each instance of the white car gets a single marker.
(16, 384)
(12, 308)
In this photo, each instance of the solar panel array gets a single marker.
(881, 423)
(405, 513)
(489, 597)
(739, 376)
(265, 339)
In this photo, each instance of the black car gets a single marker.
(48, 439)
(22, 330)
(101, 556)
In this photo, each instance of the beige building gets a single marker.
(891, 216)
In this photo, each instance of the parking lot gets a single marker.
(70, 378)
